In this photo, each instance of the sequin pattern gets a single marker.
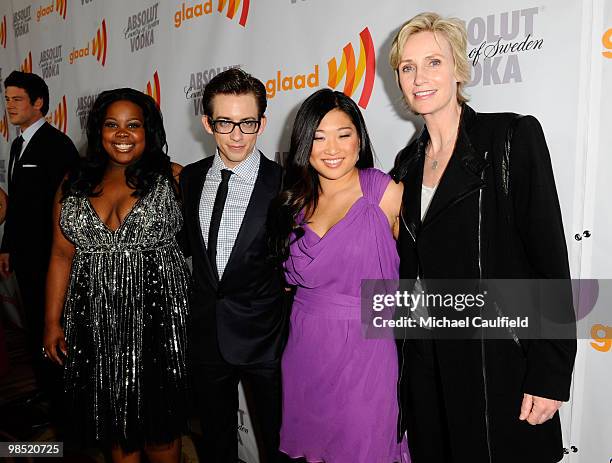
(125, 322)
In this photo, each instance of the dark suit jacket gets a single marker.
(28, 229)
(491, 217)
(240, 319)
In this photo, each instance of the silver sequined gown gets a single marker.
(125, 323)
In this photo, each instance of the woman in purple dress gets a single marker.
(334, 225)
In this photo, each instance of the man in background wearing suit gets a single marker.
(237, 305)
(39, 159)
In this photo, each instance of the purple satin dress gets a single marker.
(340, 389)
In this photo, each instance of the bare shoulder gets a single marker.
(176, 169)
(392, 199)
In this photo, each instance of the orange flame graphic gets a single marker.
(606, 40)
(154, 91)
(354, 72)
(232, 9)
(4, 127)
(61, 6)
(60, 116)
(27, 63)
(3, 32)
(99, 43)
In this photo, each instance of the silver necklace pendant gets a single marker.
(434, 164)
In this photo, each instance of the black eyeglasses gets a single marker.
(224, 126)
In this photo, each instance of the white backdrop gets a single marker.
(560, 71)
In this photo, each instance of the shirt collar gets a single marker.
(28, 133)
(247, 169)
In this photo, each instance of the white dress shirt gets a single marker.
(28, 133)
(239, 191)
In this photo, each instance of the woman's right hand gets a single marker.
(54, 339)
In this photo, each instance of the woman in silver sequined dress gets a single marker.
(119, 278)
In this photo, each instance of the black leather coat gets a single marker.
(492, 216)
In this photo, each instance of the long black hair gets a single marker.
(301, 183)
(86, 178)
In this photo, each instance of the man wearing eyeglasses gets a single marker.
(238, 300)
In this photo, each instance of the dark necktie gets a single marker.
(215, 218)
(14, 157)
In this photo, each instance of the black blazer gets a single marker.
(240, 319)
(29, 227)
(491, 217)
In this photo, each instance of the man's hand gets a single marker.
(5, 269)
(537, 410)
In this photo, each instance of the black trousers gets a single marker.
(423, 405)
(216, 394)
(48, 375)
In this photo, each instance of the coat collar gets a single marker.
(461, 177)
(31, 151)
(254, 217)
(192, 203)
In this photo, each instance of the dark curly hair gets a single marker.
(301, 183)
(85, 180)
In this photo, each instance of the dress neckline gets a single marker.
(125, 218)
(345, 216)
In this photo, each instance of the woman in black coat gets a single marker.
(476, 208)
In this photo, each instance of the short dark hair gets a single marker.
(33, 85)
(234, 81)
(143, 173)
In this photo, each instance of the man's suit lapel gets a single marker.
(35, 147)
(193, 211)
(255, 215)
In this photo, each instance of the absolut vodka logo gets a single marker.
(197, 82)
(497, 41)
(84, 104)
(140, 29)
(49, 62)
(21, 21)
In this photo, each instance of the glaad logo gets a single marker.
(140, 27)
(154, 90)
(61, 7)
(497, 42)
(286, 82)
(602, 337)
(99, 45)
(354, 74)
(21, 21)
(352, 70)
(232, 9)
(197, 82)
(606, 40)
(4, 127)
(84, 104)
(26, 66)
(198, 9)
(3, 32)
(59, 117)
(49, 62)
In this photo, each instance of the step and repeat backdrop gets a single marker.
(549, 58)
